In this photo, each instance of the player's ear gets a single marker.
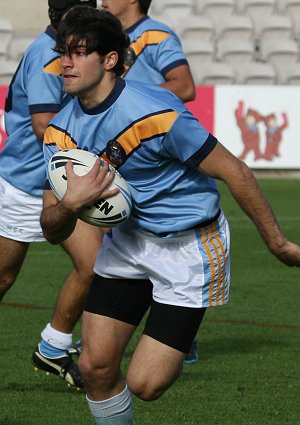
(110, 60)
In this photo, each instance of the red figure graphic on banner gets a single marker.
(249, 131)
(273, 135)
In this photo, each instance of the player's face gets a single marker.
(117, 8)
(82, 72)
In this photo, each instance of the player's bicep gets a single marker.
(180, 81)
(220, 164)
(40, 122)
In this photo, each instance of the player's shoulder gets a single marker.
(149, 24)
(42, 48)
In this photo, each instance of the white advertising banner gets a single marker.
(260, 125)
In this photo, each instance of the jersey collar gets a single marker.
(109, 101)
(50, 31)
(134, 26)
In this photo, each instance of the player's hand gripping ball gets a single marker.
(109, 212)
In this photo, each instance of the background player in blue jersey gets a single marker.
(154, 56)
(155, 53)
(172, 255)
(35, 95)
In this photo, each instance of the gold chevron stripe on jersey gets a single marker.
(53, 67)
(146, 128)
(148, 38)
(54, 136)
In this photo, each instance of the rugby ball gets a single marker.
(108, 212)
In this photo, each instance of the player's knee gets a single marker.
(145, 390)
(6, 282)
(95, 371)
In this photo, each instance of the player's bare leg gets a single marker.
(153, 368)
(100, 367)
(52, 354)
(12, 257)
(82, 246)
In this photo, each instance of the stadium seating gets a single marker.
(272, 27)
(18, 47)
(6, 35)
(199, 51)
(175, 10)
(291, 8)
(196, 27)
(256, 8)
(237, 41)
(280, 53)
(290, 74)
(256, 73)
(7, 70)
(235, 51)
(212, 73)
(215, 9)
(238, 27)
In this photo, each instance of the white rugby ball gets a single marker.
(108, 212)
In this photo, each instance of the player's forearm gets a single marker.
(58, 222)
(251, 199)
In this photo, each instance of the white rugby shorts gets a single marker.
(189, 270)
(19, 214)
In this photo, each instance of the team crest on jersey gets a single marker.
(130, 56)
(115, 152)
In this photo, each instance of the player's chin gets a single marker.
(70, 88)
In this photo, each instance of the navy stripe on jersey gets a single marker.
(203, 152)
(173, 65)
(45, 107)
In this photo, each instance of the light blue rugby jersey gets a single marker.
(37, 86)
(154, 51)
(155, 143)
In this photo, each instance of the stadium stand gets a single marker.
(174, 9)
(238, 27)
(235, 52)
(237, 41)
(256, 8)
(196, 27)
(6, 35)
(281, 53)
(272, 27)
(291, 8)
(213, 73)
(198, 52)
(290, 74)
(215, 9)
(18, 47)
(256, 73)
(7, 70)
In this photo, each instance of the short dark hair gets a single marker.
(144, 6)
(57, 8)
(101, 31)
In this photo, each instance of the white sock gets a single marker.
(116, 410)
(56, 338)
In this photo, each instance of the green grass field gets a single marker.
(248, 373)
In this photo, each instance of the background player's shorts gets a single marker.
(19, 214)
(190, 270)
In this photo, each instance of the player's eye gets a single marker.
(79, 52)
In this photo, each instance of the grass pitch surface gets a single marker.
(248, 372)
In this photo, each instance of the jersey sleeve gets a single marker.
(168, 54)
(188, 141)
